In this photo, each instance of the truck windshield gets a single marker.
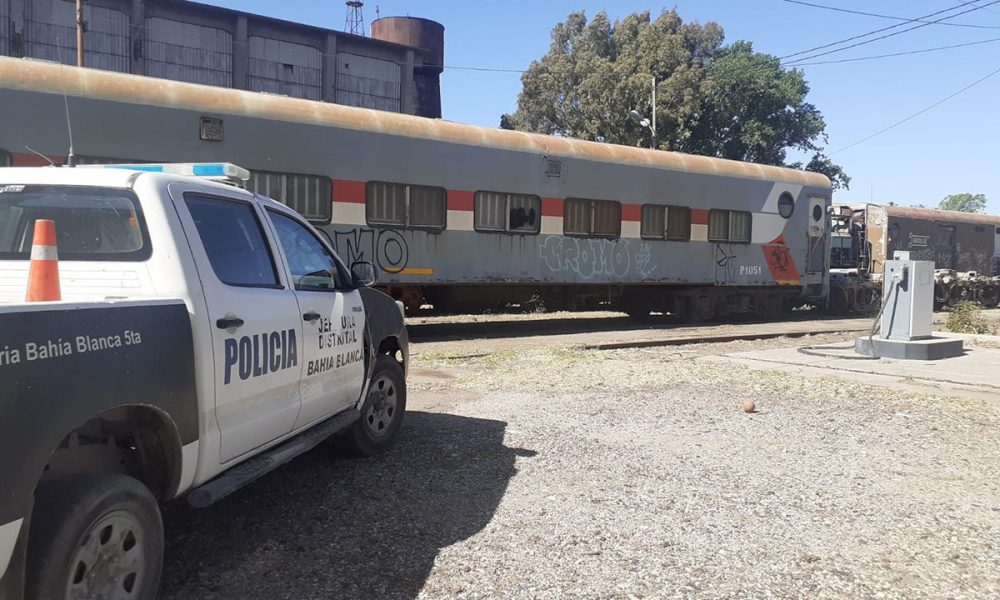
(103, 224)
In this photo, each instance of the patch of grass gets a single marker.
(967, 317)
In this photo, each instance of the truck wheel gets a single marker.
(94, 536)
(382, 412)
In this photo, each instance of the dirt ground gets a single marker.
(535, 469)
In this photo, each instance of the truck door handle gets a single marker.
(232, 323)
(311, 316)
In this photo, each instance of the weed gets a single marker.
(967, 317)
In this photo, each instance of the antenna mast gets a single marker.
(355, 22)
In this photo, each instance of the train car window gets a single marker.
(5, 158)
(740, 225)
(678, 223)
(665, 222)
(406, 206)
(508, 213)
(427, 207)
(385, 204)
(718, 226)
(786, 205)
(309, 195)
(729, 226)
(654, 222)
(592, 218)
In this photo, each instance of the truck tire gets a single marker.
(382, 412)
(94, 536)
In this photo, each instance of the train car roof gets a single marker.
(53, 78)
(933, 214)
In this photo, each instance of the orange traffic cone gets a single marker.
(43, 277)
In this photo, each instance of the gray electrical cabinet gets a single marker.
(908, 290)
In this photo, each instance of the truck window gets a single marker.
(92, 224)
(233, 240)
(314, 269)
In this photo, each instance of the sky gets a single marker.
(952, 148)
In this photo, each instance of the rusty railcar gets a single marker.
(964, 247)
(458, 216)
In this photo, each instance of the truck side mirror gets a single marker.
(362, 274)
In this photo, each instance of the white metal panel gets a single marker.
(281, 67)
(188, 52)
(51, 34)
(368, 82)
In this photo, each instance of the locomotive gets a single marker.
(964, 247)
(458, 216)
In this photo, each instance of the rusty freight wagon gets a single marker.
(458, 216)
(964, 247)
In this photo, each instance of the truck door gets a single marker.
(253, 317)
(333, 321)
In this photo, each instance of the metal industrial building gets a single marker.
(397, 69)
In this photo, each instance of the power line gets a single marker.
(916, 114)
(868, 14)
(970, 2)
(881, 30)
(906, 53)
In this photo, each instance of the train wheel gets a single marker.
(990, 296)
(957, 294)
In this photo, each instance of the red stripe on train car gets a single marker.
(552, 207)
(460, 200)
(699, 216)
(631, 212)
(348, 191)
(26, 159)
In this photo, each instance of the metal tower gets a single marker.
(355, 22)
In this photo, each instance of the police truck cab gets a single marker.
(204, 335)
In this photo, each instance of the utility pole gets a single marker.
(79, 33)
(656, 139)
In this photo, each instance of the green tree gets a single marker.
(711, 99)
(971, 203)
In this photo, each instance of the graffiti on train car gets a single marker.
(586, 257)
(386, 248)
(644, 266)
(725, 263)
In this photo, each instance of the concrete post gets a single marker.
(137, 38)
(330, 68)
(241, 53)
(18, 33)
(406, 89)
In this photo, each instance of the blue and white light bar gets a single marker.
(224, 172)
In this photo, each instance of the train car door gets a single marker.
(816, 259)
(996, 254)
(945, 252)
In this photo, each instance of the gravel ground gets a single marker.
(557, 473)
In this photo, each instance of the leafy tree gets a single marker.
(711, 99)
(971, 203)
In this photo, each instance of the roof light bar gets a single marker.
(224, 172)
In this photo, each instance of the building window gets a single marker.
(729, 226)
(592, 218)
(510, 213)
(406, 206)
(308, 195)
(665, 222)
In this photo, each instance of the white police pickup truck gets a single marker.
(205, 336)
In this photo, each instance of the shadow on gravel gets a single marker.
(325, 526)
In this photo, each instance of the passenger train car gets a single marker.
(454, 215)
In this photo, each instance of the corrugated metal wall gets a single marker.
(188, 52)
(285, 68)
(51, 34)
(367, 82)
(5, 27)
